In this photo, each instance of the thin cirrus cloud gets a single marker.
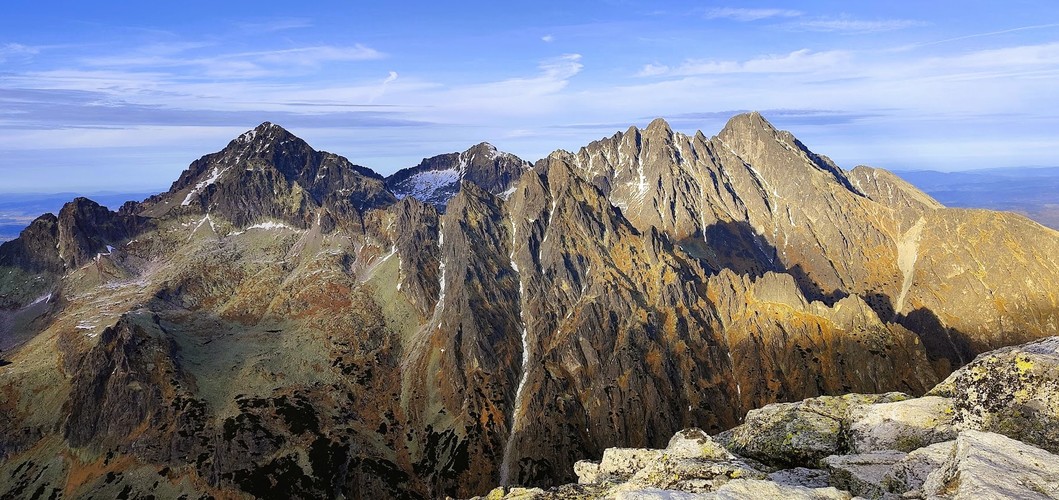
(9, 51)
(799, 61)
(855, 26)
(747, 15)
(254, 64)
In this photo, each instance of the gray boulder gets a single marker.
(801, 476)
(901, 425)
(988, 465)
(1012, 391)
(909, 473)
(742, 489)
(801, 433)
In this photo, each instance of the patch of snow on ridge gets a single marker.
(214, 175)
(508, 192)
(270, 225)
(43, 298)
(423, 185)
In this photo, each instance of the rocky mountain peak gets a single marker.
(268, 172)
(484, 149)
(747, 124)
(266, 133)
(658, 127)
(437, 179)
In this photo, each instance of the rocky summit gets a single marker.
(858, 445)
(284, 323)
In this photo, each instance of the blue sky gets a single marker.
(116, 95)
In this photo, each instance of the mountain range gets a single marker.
(282, 322)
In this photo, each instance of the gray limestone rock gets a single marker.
(694, 443)
(622, 463)
(987, 465)
(1012, 391)
(799, 434)
(901, 425)
(910, 472)
(801, 476)
(741, 489)
(862, 474)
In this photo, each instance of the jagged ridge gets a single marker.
(316, 334)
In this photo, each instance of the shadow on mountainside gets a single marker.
(943, 344)
(732, 245)
(739, 247)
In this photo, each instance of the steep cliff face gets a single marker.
(278, 322)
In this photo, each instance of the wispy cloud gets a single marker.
(747, 15)
(10, 51)
(850, 25)
(781, 116)
(548, 38)
(562, 67)
(980, 35)
(799, 61)
(275, 25)
(392, 77)
(236, 65)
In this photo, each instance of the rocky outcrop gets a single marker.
(900, 425)
(919, 454)
(437, 179)
(802, 433)
(87, 229)
(1012, 391)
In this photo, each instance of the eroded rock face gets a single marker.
(974, 464)
(1012, 391)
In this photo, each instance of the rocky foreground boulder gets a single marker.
(990, 430)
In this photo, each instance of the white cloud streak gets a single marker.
(856, 26)
(10, 51)
(748, 15)
(799, 61)
(254, 64)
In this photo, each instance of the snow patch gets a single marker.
(508, 192)
(42, 298)
(214, 176)
(270, 225)
(423, 185)
(516, 414)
